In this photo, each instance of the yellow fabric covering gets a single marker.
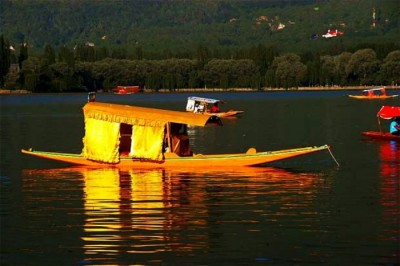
(147, 142)
(101, 141)
(144, 116)
(102, 130)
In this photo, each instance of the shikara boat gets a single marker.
(373, 94)
(201, 105)
(386, 112)
(126, 89)
(138, 137)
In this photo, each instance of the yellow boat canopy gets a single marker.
(142, 116)
(103, 140)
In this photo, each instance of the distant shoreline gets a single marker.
(333, 88)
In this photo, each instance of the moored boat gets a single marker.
(208, 106)
(371, 94)
(138, 137)
(380, 135)
(386, 112)
(126, 89)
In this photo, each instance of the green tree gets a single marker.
(102, 53)
(5, 59)
(194, 80)
(289, 71)
(153, 78)
(66, 55)
(202, 55)
(390, 68)
(313, 75)
(229, 73)
(138, 53)
(84, 72)
(270, 78)
(63, 77)
(328, 69)
(49, 54)
(31, 71)
(341, 62)
(23, 54)
(362, 66)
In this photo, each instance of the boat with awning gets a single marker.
(140, 137)
(371, 94)
(387, 113)
(201, 105)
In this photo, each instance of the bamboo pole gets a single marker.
(379, 124)
(169, 138)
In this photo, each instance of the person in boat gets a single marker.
(197, 108)
(395, 126)
(215, 108)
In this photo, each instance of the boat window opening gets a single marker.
(178, 129)
(199, 107)
(202, 107)
(180, 140)
(125, 139)
(190, 105)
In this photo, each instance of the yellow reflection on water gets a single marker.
(141, 212)
(101, 205)
(118, 205)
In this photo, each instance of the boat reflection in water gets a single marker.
(389, 153)
(143, 212)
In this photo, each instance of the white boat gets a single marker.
(200, 105)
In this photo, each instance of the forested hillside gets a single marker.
(181, 26)
(69, 45)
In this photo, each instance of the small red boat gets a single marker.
(126, 89)
(380, 135)
(386, 112)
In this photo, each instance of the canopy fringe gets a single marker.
(126, 120)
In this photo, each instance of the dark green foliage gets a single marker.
(5, 59)
(176, 26)
(76, 44)
(23, 54)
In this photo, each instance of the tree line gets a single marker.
(90, 68)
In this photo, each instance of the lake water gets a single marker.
(303, 211)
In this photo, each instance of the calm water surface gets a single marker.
(303, 211)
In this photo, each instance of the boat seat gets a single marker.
(171, 155)
(180, 145)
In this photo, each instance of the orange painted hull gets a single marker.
(226, 114)
(372, 97)
(218, 160)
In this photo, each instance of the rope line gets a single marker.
(333, 157)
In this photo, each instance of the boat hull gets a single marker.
(229, 113)
(380, 135)
(360, 97)
(127, 90)
(250, 158)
